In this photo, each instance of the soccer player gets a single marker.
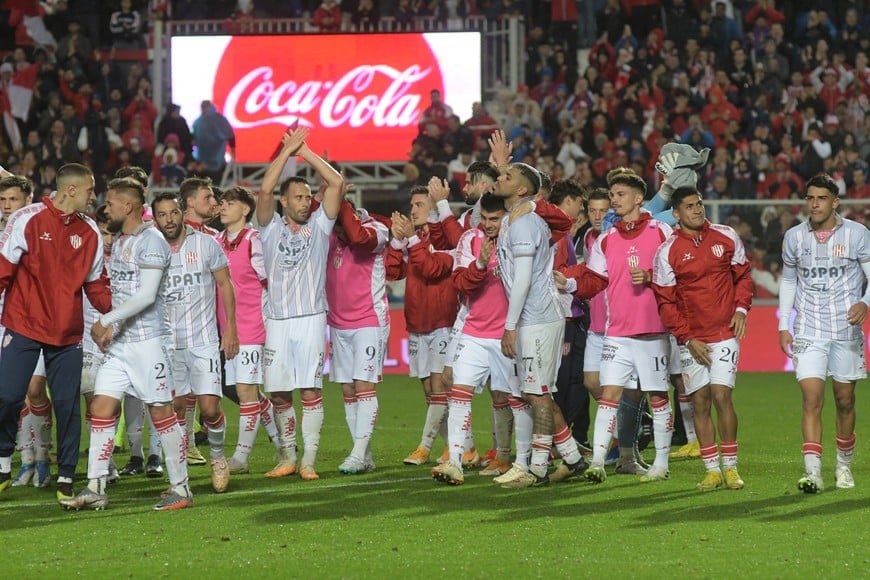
(826, 262)
(636, 341)
(444, 229)
(43, 311)
(197, 263)
(702, 268)
(431, 306)
(478, 352)
(534, 327)
(136, 338)
(244, 251)
(359, 323)
(295, 250)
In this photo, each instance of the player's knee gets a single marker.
(845, 402)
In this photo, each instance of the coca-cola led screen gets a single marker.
(361, 94)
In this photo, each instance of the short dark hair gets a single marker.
(101, 216)
(628, 177)
(546, 183)
(418, 190)
(190, 186)
(243, 195)
(599, 193)
(285, 185)
(22, 183)
(73, 171)
(134, 173)
(491, 203)
(565, 188)
(167, 196)
(480, 169)
(128, 185)
(824, 181)
(681, 193)
(531, 175)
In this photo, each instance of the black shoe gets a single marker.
(135, 466)
(678, 439)
(577, 469)
(153, 469)
(64, 490)
(200, 438)
(646, 431)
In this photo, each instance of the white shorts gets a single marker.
(477, 359)
(539, 354)
(246, 367)
(140, 369)
(675, 363)
(722, 371)
(91, 362)
(647, 358)
(357, 354)
(197, 370)
(452, 343)
(294, 353)
(428, 352)
(592, 354)
(818, 357)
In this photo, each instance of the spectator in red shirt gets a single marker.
(327, 17)
(437, 112)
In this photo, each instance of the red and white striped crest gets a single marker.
(191, 257)
(305, 231)
(75, 241)
(633, 261)
(839, 250)
(718, 250)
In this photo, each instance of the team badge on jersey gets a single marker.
(191, 257)
(839, 250)
(718, 250)
(633, 261)
(75, 241)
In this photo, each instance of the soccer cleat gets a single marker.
(153, 468)
(811, 483)
(470, 459)
(174, 501)
(566, 471)
(307, 473)
(351, 466)
(113, 476)
(844, 477)
(584, 450)
(25, 474)
(42, 477)
(135, 466)
(369, 463)
(194, 457)
(87, 499)
(733, 479)
(64, 491)
(688, 451)
(655, 474)
(449, 473)
(630, 467)
(612, 455)
(511, 474)
(527, 479)
(418, 457)
(283, 469)
(5, 481)
(495, 468)
(596, 474)
(237, 466)
(488, 457)
(220, 474)
(713, 480)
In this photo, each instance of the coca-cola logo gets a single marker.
(363, 95)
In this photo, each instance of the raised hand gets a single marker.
(500, 148)
(294, 140)
(438, 189)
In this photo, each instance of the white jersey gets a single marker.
(144, 248)
(830, 277)
(91, 316)
(296, 265)
(189, 290)
(529, 235)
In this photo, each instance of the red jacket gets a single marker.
(430, 298)
(700, 282)
(46, 259)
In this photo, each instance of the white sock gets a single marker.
(687, 409)
(100, 452)
(541, 444)
(813, 458)
(458, 423)
(41, 430)
(435, 415)
(351, 407)
(267, 420)
(312, 423)
(174, 449)
(845, 449)
(566, 445)
(605, 425)
(249, 421)
(285, 422)
(366, 416)
(663, 430)
(522, 430)
(217, 434)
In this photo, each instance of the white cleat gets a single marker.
(352, 465)
(515, 472)
(844, 477)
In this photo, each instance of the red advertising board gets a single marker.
(363, 94)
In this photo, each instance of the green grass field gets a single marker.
(398, 522)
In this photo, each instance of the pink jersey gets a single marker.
(356, 282)
(487, 301)
(597, 304)
(631, 308)
(248, 271)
